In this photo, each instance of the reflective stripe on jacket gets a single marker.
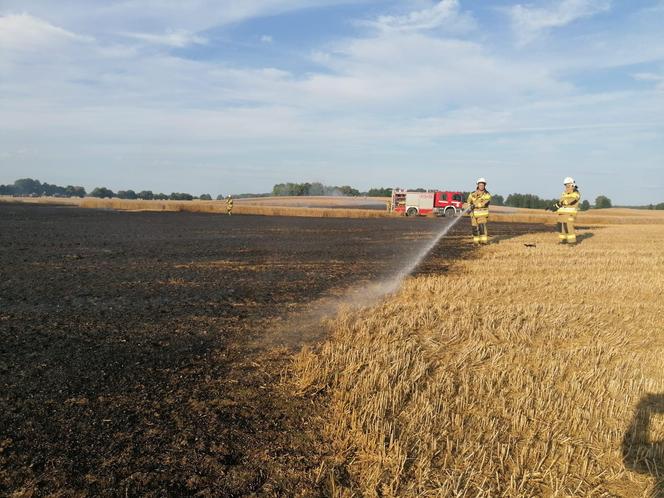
(569, 202)
(479, 201)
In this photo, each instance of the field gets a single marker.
(315, 207)
(338, 207)
(535, 371)
(144, 353)
(179, 353)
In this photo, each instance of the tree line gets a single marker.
(28, 186)
(35, 188)
(535, 202)
(314, 189)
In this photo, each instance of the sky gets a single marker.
(232, 96)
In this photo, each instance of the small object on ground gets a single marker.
(530, 245)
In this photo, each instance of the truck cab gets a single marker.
(448, 203)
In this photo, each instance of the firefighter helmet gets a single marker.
(481, 180)
(569, 179)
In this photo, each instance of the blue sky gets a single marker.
(231, 96)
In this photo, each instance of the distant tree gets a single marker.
(497, 200)
(220, 197)
(585, 205)
(127, 194)
(51, 190)
(316, 188)
(6, 190)
(379, 192)
(528, 201)
(205, 197)
(660, 206)
(160, 196)
(146, 195)
(27, 186)
(74, 191)
(180, 196)
(102, 192)
(349, 191)
(602, 202)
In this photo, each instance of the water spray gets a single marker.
(306, 327)
(415, 261)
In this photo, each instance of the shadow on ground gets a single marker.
(584, 236)
(640, 452)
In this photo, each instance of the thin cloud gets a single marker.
(25, 32)
(176, 39)
(529, 22)
(444, 14)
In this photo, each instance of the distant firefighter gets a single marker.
(478, 203)
(567, 207)
(229, 205)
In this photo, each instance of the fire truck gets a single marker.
(436, 202)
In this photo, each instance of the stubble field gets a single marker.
(527, 371)
(158, 354)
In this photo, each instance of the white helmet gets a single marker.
(481, 180)
(569, 179)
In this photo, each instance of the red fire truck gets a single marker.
(437, 202)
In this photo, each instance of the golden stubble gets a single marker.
(515, 374)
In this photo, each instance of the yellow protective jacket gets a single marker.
(569, 203)
(479, 204)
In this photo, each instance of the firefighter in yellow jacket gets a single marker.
(478, 203)
(567, 207)
(229, 205)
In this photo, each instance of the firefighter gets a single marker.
(567, 207)
(229, 205)
(478, 203)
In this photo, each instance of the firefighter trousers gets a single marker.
(480, 231)
(566, 229)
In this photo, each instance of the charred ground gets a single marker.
(130, 357)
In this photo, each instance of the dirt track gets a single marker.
(128, 357)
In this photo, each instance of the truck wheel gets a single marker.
(411, 211)
(450, 212)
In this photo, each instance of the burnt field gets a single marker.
(132, 356)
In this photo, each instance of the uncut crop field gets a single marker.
(524, 371)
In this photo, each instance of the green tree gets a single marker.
(528, 201)
(497, 200)
(379, 192)
(127, 194)
(585, 205)
(602, 202)
(347, 190)
(74, 191)
(27, 186)
(205, 197)
(102, 192)
(160, 196)
(146, 195)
